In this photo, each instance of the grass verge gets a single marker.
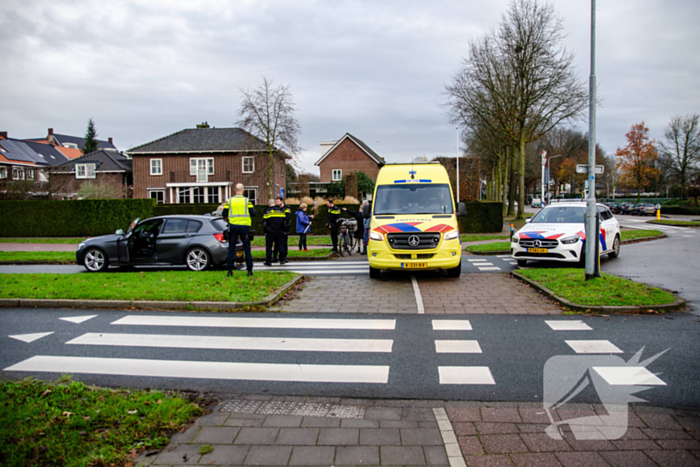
(481, 238)
(66, 241)
(48, 257)
(675, 223)
(295, 253)
(153, 285)
(635, 234)
(488, 247)
(293, 240)
(607, 290)
(69, 423)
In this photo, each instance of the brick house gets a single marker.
(203, 164)
(104, 166)
(348, 154)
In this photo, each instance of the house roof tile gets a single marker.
(202, 140)
(373, 155)
(106, 160)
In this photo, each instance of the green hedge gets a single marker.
(482, 217)
(690, 210)
(80, 218)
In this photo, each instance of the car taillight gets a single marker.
(220, 237)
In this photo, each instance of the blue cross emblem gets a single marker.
(411, 172)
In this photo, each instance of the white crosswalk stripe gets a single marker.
(269, 323)
(320, 267)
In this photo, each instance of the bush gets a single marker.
(482, 217)
(79, 218)
(690, 210)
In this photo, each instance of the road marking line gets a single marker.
(465, 375)
(30, 337)
(457, 347)
(568, 325)
(419, 299)
(451, 325)
(312, 272)
(494, 268)
(78, 319)
(628, 376)
(268, 323)
(235, 342)
(502, 256)
(600, 346)
(476, 260)
(206, 370)
(454, 453)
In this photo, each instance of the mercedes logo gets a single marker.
(413, 240)
(538, 243)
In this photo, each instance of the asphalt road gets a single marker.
(400, 359)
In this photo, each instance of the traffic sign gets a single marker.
(583, 169)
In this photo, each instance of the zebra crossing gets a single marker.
(641, 224)
(300, 350)
(493, 264)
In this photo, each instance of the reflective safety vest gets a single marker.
(238, 210)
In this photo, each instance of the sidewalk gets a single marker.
(264, 430)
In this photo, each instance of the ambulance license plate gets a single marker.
(414, 265)
(537, 250)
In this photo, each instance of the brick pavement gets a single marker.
(470, 294)
(265, 430)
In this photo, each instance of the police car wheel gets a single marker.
(95, 260)
(616, 248)
(522, 263)
(197, 259)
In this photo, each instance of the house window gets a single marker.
(183, 195)
(84, 170)
(213, 194)
(29, 174)
(337, 175)
(248, 165)
(156, 166)
(158, 195)
(251, 193)
(3, 172)
(198, 195)
(17, 173)
(202, 167)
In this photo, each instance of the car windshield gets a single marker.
(560, 215)
(413, 198)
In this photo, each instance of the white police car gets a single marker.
(558, 233)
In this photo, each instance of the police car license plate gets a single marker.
(414, 265)
(537, 250)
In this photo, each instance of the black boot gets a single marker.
(250, 273)
(229, 273)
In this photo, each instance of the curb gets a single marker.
(678, 304)
(146, 304)
(624, 242)
(673, 225)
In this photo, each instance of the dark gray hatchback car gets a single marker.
(195, 241)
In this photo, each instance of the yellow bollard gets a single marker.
(658, 214)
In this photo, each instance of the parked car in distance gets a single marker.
(623, 208)
(611, 205)
(195, 241)
(643, 209)
(536, 203)
(558, 233)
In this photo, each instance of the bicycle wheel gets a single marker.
(341, 243)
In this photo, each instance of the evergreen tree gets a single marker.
(91, 144)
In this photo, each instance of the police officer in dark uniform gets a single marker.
(333, 218)
(239, 212)
(273, 225)
(284, 244)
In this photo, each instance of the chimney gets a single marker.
(3, 134)
(110, 141)
(50, 131)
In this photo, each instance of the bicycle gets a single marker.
(346, 238)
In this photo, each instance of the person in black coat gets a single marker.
(360, 232)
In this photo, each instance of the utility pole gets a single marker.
(544, 161)
(457, 139)
(592, 260)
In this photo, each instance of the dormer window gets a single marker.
(84, 171)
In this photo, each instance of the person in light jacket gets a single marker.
(303, 226)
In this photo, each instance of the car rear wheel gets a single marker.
(95, 260)
(197, 259)
(616, 248)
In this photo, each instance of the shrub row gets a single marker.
(100, 217)
(691, 210)
(70, 218)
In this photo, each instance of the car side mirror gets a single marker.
(119, 232)
(527, 220)
(461, 210)
(366, 211)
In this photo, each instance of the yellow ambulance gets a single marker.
(413, 221)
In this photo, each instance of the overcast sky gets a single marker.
(377, 69)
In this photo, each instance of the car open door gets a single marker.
(123, 242)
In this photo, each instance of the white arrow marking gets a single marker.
(78, 319)
(30, 337)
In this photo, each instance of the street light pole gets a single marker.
(592, 265)
(544, 161)
(549, 173)
(457, 139)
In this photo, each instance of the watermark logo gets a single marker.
(614, 381)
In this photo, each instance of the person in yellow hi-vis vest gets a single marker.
(239, 211)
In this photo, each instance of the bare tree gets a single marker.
(267, 112)
(682, 147)
(519, 81)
